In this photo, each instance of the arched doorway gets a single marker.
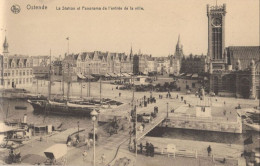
(215, 85)
(245, 89)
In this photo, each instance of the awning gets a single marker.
(188, 75)
(81, 76)
(112, 74)
(195, 75)
(182, 74)
(107, 75)
(126, 75)
(56, 151)
(89, 77)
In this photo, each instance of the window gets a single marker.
(27, 72)
(20, 81)
(24, 72)
(27, 80)
(16, 72)
(12, 72)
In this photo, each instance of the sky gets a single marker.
(153, 30)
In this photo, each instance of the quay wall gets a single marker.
(203, 124)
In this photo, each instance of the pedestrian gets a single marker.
(151, 150)
(177, 96)
(147, 148)
(141, 129)
(141, 148)
(84, 154)
(209, 150)
(103, 158)
(87, 144)
(68, 139)
(91, 142)
(143, 125)
(77, 138)
(224, 112)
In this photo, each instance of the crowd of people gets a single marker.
(149, 149)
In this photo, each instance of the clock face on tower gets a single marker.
(216, 22)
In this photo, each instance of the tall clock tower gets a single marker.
(216, 36)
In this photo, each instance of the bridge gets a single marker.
(150, 126)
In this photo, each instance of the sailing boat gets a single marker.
(63, 106)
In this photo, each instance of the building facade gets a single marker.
(57, 67)
(16, 70)
(194, 64)
(98, 63)
(40, 60)
(234, 71)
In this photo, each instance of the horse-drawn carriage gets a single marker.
(14, 155)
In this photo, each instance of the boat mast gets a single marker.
(7, 110)
(37, 86)
(63, 82)
(89, 80)
(81, 89)
(100, 88)
(68, 92)
(49, 92)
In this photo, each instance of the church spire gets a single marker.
(179, 41)
(131, 52)
(5, 45)
(178, 45)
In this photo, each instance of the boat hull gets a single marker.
(60, 109)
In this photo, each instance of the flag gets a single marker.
(249, 140)
(67, 38)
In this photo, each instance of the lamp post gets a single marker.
(94, 117)
(89, 80)
(78, 128)
(167, 110)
